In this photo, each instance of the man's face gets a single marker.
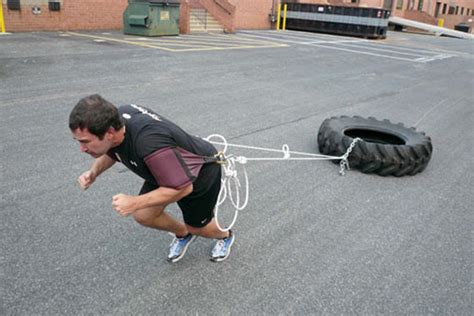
(91, 144)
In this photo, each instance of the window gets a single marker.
(13, 4)
(451, 10)
(438, 6)
(462, 11)
(354, 1)
(445, 6)
(399, 4)
(420, 5)
(456, 12)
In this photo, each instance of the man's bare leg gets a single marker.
(156, 217)
(209, 231)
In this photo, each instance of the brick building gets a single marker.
(39, 15)
(51, 15)
(451, 12)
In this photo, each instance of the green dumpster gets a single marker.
(151, 17)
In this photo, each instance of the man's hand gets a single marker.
(86, 179)
(124, 204)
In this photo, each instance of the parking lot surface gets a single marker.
(309, 242)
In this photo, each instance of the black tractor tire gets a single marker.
(385, 148)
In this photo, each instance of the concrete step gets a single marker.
(208, 25)
(201, 21)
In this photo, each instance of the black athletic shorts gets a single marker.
(198, 207)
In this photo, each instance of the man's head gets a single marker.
(95, 123)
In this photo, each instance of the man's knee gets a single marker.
(148, 216)
(194, 230)
(209, 231)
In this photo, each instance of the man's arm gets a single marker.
(126, 204)
(101, 164)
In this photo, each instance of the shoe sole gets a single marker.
(220, 259)
(176, 259)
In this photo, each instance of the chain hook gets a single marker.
(344, 159)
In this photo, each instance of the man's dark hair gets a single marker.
(96, 114)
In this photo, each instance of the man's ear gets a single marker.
(110, 134)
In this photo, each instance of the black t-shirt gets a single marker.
(146, 134)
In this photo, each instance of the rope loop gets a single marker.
(231, 185)
(286, 151)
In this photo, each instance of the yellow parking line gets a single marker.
(221, 38)
(186, 42)
(228, 48)
(213, 39)
(193, 47)
(171, 43)
(121, 41)
(243, 38)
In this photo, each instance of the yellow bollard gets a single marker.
(284, 17)
(440, 22)
(2, 21)
(278, 17)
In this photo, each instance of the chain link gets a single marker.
(344, 162)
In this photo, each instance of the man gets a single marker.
(171, 162)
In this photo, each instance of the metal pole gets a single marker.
(278, 16)
(284, 17)
(2, 21)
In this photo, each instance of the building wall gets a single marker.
(411, 9)
(253, 14)
(249, 14)
(73, 15)
(465, 13)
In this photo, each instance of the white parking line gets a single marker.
(305, 34)
(437, 57)
(292, 35)
(422, 55)
(349, 44)
(418, 50)
(378, 49)
(366, 53)
(334, 42)
(293, 41)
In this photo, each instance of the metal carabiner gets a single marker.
(220, 158)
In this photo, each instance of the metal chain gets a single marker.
(344, 162)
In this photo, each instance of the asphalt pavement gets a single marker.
(309, 242)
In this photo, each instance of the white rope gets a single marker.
(230, 182)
